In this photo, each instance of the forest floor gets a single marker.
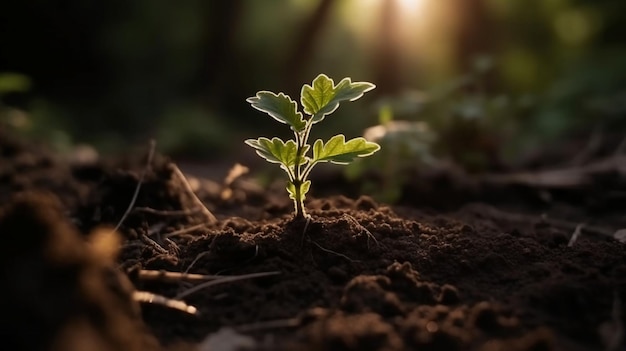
(451, 267)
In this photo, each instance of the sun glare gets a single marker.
(410, 5)
(409, 12)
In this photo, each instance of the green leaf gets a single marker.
(337, 150)
(280, 107)
(323, 96)
(277, 151)
(291, 188)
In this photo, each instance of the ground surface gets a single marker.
(490, 275)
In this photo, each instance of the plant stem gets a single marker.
(297, 182)
(299, 201)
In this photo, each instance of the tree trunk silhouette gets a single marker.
(222, 25)
(304, 46)
(387, 62)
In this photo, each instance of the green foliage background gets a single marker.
(114, 72)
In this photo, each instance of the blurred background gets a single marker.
(488, 84)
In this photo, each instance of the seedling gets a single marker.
(318, 100)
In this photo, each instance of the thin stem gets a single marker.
(307, 131)
(307, 170)
(289, 172)
(138, 187)
(297, 182)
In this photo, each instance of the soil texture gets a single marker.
(475, 274)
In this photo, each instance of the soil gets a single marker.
(440, 271)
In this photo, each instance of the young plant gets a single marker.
(318, 100)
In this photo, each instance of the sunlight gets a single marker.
(404, 6)
(410, 5)
(410, 14)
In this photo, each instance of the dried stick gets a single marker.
(198, 257)
(166, 276)
(148, 297)
(184, 230)
(576, 234)
(138, 187)
(153, 244)
(205, 211)
(228, 279)
(167, 213)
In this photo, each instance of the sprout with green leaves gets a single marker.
(319, 100)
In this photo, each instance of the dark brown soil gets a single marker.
(362, 276)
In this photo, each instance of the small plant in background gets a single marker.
(405, 146)
(319, 99)
(461, 124)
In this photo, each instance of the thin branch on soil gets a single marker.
(172, 246)
(200, 255)
(332, 252)
(138, 187)
(234, 173)
(576, 234)
(172, 213)
(148, 297)
(274, 324)
(185, 230)
(227, 279)
(170, 277)
(153, 244)
(205, 211)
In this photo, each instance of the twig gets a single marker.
(235, 172)
(184, 230)
(199, 256)
(148, 297)
(153, 243)
(167, 276)
(228, 279)
(168, 213)
(138, 187)
(576, 234)
(172, 246)
(205, 211)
